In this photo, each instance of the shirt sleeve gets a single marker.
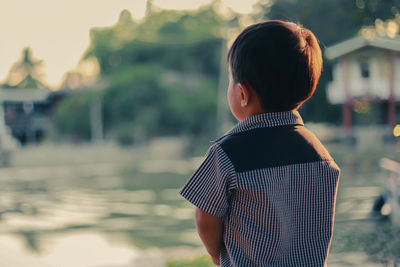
(210, 185)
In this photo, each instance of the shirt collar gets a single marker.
(267, 120)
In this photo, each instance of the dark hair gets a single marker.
(280, 60)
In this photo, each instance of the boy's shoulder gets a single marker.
(269, 147)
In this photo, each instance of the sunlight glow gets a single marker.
(396, 130)
(57, 31)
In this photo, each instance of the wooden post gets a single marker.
(347, 102)
(2, 121)
(347, 118)
(392, 100)
(96, 119)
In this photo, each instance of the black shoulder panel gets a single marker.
(273, 146)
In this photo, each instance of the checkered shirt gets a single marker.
(274, 185)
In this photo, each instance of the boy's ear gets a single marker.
(244, 95)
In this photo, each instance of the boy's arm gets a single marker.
(210, 231)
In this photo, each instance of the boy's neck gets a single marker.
(252, 108)
(261, 111)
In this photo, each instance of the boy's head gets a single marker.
(280, 61)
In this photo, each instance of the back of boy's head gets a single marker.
(280, 60)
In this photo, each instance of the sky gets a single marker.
(58, 30)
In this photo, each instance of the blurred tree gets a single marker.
(162, 73)
(71, 118)
(162, 38)
(331, 22)
(26, 72)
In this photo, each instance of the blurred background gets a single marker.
(107, 107)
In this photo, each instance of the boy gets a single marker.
(265, 193)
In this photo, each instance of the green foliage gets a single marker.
(134, 98)
(162, 75)
(204, 261)
(72, 115)
(332, 21)
(140, 98)
(184, 41)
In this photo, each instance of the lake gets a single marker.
(103, 205)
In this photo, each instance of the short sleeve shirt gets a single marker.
(274, 185)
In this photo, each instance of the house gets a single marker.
(26, 113)
(365, 70)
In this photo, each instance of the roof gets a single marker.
(24, 95)
(355, 43)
